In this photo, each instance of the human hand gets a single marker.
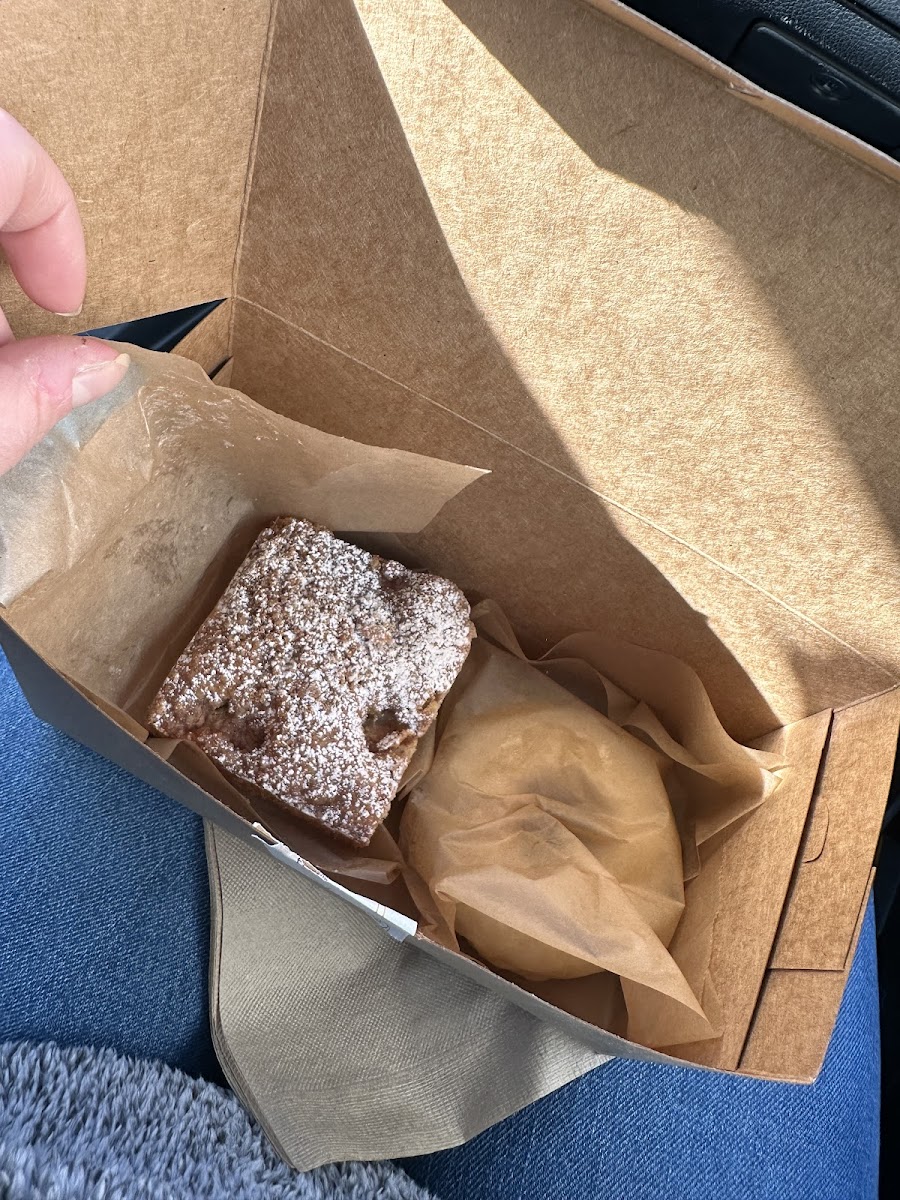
(43, 378)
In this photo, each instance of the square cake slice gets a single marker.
(316, 674)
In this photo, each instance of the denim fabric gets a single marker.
(104, 905)
(103, 940)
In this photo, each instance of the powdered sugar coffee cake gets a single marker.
(316, 674)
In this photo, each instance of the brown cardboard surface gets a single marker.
(798, 1008)
(149, 110)
(556, 555)
(828, 887)
(600, 255)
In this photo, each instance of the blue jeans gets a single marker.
(103, 940)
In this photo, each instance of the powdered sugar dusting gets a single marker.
(316, 674)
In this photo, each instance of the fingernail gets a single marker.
(94, 381)
(76, 313)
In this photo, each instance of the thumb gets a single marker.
(42, 379)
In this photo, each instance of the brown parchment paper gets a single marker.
(138, 508)
(120, 530)
(554, 827)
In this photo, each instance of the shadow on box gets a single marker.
(806, 305)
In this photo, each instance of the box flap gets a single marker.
(832, 875)
(149, 110)
(542, 221)
(795, 1016)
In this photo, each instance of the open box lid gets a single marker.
(541, 222)
(151, 114)
(698, 301)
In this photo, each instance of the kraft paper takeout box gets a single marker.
(550, 239)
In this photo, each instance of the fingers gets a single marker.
(40, 230)
(42, 379)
